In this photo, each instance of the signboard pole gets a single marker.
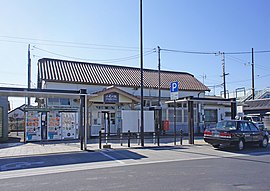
(85, 122)
(174, 96)
(174, 118)
(81, 121)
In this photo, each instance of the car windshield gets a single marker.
(257, 119)
(226, 125)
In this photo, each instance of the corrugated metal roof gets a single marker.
(54, 70)
(257, 104)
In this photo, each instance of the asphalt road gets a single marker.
(153, 169)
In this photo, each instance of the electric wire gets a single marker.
(85, 45)
(213, 53)
(249, 52)
(188, 52)
(95, 60)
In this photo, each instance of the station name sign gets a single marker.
(112, 97)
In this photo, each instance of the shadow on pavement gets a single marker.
(7, 164)
(253, 150)
(159, 148)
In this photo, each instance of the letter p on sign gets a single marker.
(174, 90)
(174, 87)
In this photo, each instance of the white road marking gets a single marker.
(106, 155)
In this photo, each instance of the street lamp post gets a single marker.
(141, 61)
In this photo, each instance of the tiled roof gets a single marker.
(53, 70)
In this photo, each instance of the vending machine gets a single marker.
(53, 126)
(33, 126)
(69, 125)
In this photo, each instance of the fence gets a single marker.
(129, 136)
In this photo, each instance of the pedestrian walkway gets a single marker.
(40, 148)
(30, 149)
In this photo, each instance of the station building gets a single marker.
(117, 88)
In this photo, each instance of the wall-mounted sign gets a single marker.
(112, 97)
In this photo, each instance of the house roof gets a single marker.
(260, 104)
(64, 71)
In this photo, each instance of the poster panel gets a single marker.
(149, 121)
(69, 125)
(131, 121)
(33, 126)
(54, 129)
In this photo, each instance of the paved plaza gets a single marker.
(20, 149)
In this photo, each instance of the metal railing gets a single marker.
(129, 136)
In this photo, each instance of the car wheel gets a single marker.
(264, 142)
(216, 146)
(240, 145)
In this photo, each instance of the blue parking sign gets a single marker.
(174, 87)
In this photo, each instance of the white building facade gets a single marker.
(122, 86)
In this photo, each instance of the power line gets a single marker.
(188, 52)
(69, 42)
(236, 59)
(69, 46)
(212, 53)
(249, 52)
(246, 63)
(112, 47)
(262, 67)
(94, 60)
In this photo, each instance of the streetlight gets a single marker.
(141, 61)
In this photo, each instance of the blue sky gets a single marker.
(107, 31)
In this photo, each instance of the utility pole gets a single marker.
(223, 72)
(29, 73)
(252, 68)
(203, 77)
(159, 96)
(141, 60)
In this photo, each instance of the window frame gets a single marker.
(253, 127)
(244, 127)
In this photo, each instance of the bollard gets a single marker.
(158, 136)
(154, 138)
(174, 138)
(100, 139)
(129, 138)
(181, 137)
(138, 138)
(121, 139)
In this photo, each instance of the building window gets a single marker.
(267, 96)
(1, 122)
(210, 115)
(185, 115)
(178, 115)
(228, 114)
(58, 102)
